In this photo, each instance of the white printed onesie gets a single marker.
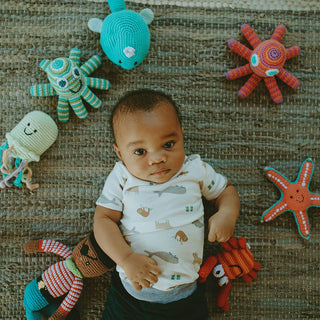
(165, 221)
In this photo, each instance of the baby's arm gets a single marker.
(140, 269)
(222, 223)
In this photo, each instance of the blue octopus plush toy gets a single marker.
(125, 36)
(71, 83)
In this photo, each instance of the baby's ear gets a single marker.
(117, 151)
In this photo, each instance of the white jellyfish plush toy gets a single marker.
(25, 143)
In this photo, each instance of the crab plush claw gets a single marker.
(234, 261)
(266, 61)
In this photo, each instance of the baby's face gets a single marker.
(150, 143)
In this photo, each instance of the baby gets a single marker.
(150, 219)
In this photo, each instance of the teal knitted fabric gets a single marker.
(125, 36)
(71, 83)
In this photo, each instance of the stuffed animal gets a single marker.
(266, 61)
(234, 261)
(295, 197)
(26, 142)
(125, 36)
(70, 82)
(64, 278)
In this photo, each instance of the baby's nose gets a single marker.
(157, 157)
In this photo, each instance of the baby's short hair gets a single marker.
(141, 100)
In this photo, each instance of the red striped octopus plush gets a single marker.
(234, 261)
(266, 61)
(63, 279)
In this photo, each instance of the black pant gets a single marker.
(120, 305)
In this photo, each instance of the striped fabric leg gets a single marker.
(238, 72)
(98, 83)
(292, 52)
(288, 78)
(250, 35)
(92, 64)
(240, 49)
(278, 33)
(42, 90)
(249, 86)
(63, 109)
(91, 98)
(273, 88)
(78, 107)
(75, 55)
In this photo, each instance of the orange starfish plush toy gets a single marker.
(295, 197)
(235, 261)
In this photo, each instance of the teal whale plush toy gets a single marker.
(125, 36)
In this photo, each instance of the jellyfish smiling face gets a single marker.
(33, 135)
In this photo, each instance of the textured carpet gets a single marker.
(187, 59)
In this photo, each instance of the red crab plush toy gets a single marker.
(234, 261)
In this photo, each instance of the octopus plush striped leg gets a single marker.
(71, 83)
(266, 61)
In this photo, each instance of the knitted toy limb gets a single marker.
(266, 61)
(31, 137)
(71, 83)
(63, 278)
(234, 261)
(125, 36)
(295, 197)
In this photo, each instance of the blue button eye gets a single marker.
(272, 72)
(62, 83)
(255, 60)
(76, 72)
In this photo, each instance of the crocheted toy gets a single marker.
(64, 278)
(266, 61)
(125, 36)
(70, 82)
(27, 141)
(234, 261)
(295, 197)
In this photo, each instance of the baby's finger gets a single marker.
(212, 236)
(145, 283)
(136, 286)
(152, 278)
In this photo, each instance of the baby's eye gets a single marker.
(169, 144)
(139, 152)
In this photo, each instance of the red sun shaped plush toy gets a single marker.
(234, 261)
(266, 61)
(295, 197)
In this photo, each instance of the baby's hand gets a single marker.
(221, 227)
(141, 270)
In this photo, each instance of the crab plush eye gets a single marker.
(223, 281)
(218, 271)
(76, 72)
(62, 83)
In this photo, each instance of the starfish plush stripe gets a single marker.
(266, 61)
(295, 197)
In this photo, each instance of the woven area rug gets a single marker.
(188, 58)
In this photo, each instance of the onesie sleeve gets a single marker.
(112, 195)
(213, 183)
